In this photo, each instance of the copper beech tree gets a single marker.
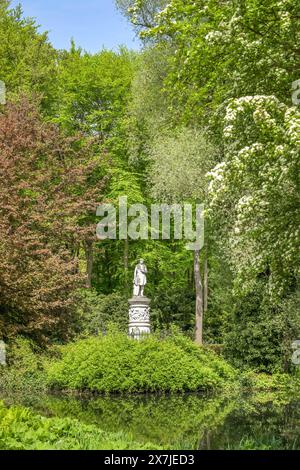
(49, 188)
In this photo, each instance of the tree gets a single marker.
(228, 50)
(232, 71)
(27, 59)
(46, 194)
(93, 91)
(142, 13)
(176, 159)
(180, 162)
(259, 185)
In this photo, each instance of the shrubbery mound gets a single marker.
(115, 363)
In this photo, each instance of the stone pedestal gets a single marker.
(139, 317)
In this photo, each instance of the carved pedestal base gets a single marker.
(139, 317)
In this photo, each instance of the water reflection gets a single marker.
(261, 421)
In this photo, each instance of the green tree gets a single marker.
(180, 162)
(27, 59)
(232, 72)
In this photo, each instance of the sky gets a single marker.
(93, 24)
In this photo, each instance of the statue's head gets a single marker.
(142, 261)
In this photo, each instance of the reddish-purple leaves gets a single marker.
(46, 207)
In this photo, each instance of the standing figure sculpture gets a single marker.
(140, 279)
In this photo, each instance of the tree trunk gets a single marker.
(205, 284)
(199, 299)
(89, 253)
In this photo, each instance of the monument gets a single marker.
(139, 305)
(296, 353)
(2, 353)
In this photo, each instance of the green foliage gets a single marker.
(148, 105)
(141, 12)
(230, 70)
(93, 90)
(176, 421)
(268, 421)
(20, 429)
(180, 160)
(250, 443)
(266, 382)
(173, 306)
(27, 59)
(259, 183)
(260, 335)
(116, 363)
(97, 312)
(213, 85)
(189, 421)
(24, 371)
(227, 50)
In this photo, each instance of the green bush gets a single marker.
(24, 372)
(97, 311)
(260, 335)
(173, 306)
(20, 429)
(275, 382)
(116, 363)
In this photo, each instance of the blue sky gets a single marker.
(92, 23)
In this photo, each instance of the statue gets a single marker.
(139, 305)
(140, 279)
(2, 353)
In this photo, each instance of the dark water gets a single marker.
(260, 421)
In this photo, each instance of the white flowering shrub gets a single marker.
(260, 181)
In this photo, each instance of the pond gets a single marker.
(189, 422)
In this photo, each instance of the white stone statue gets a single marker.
(2, 353)
(140, 279)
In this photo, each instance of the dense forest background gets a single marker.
(203, 114)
